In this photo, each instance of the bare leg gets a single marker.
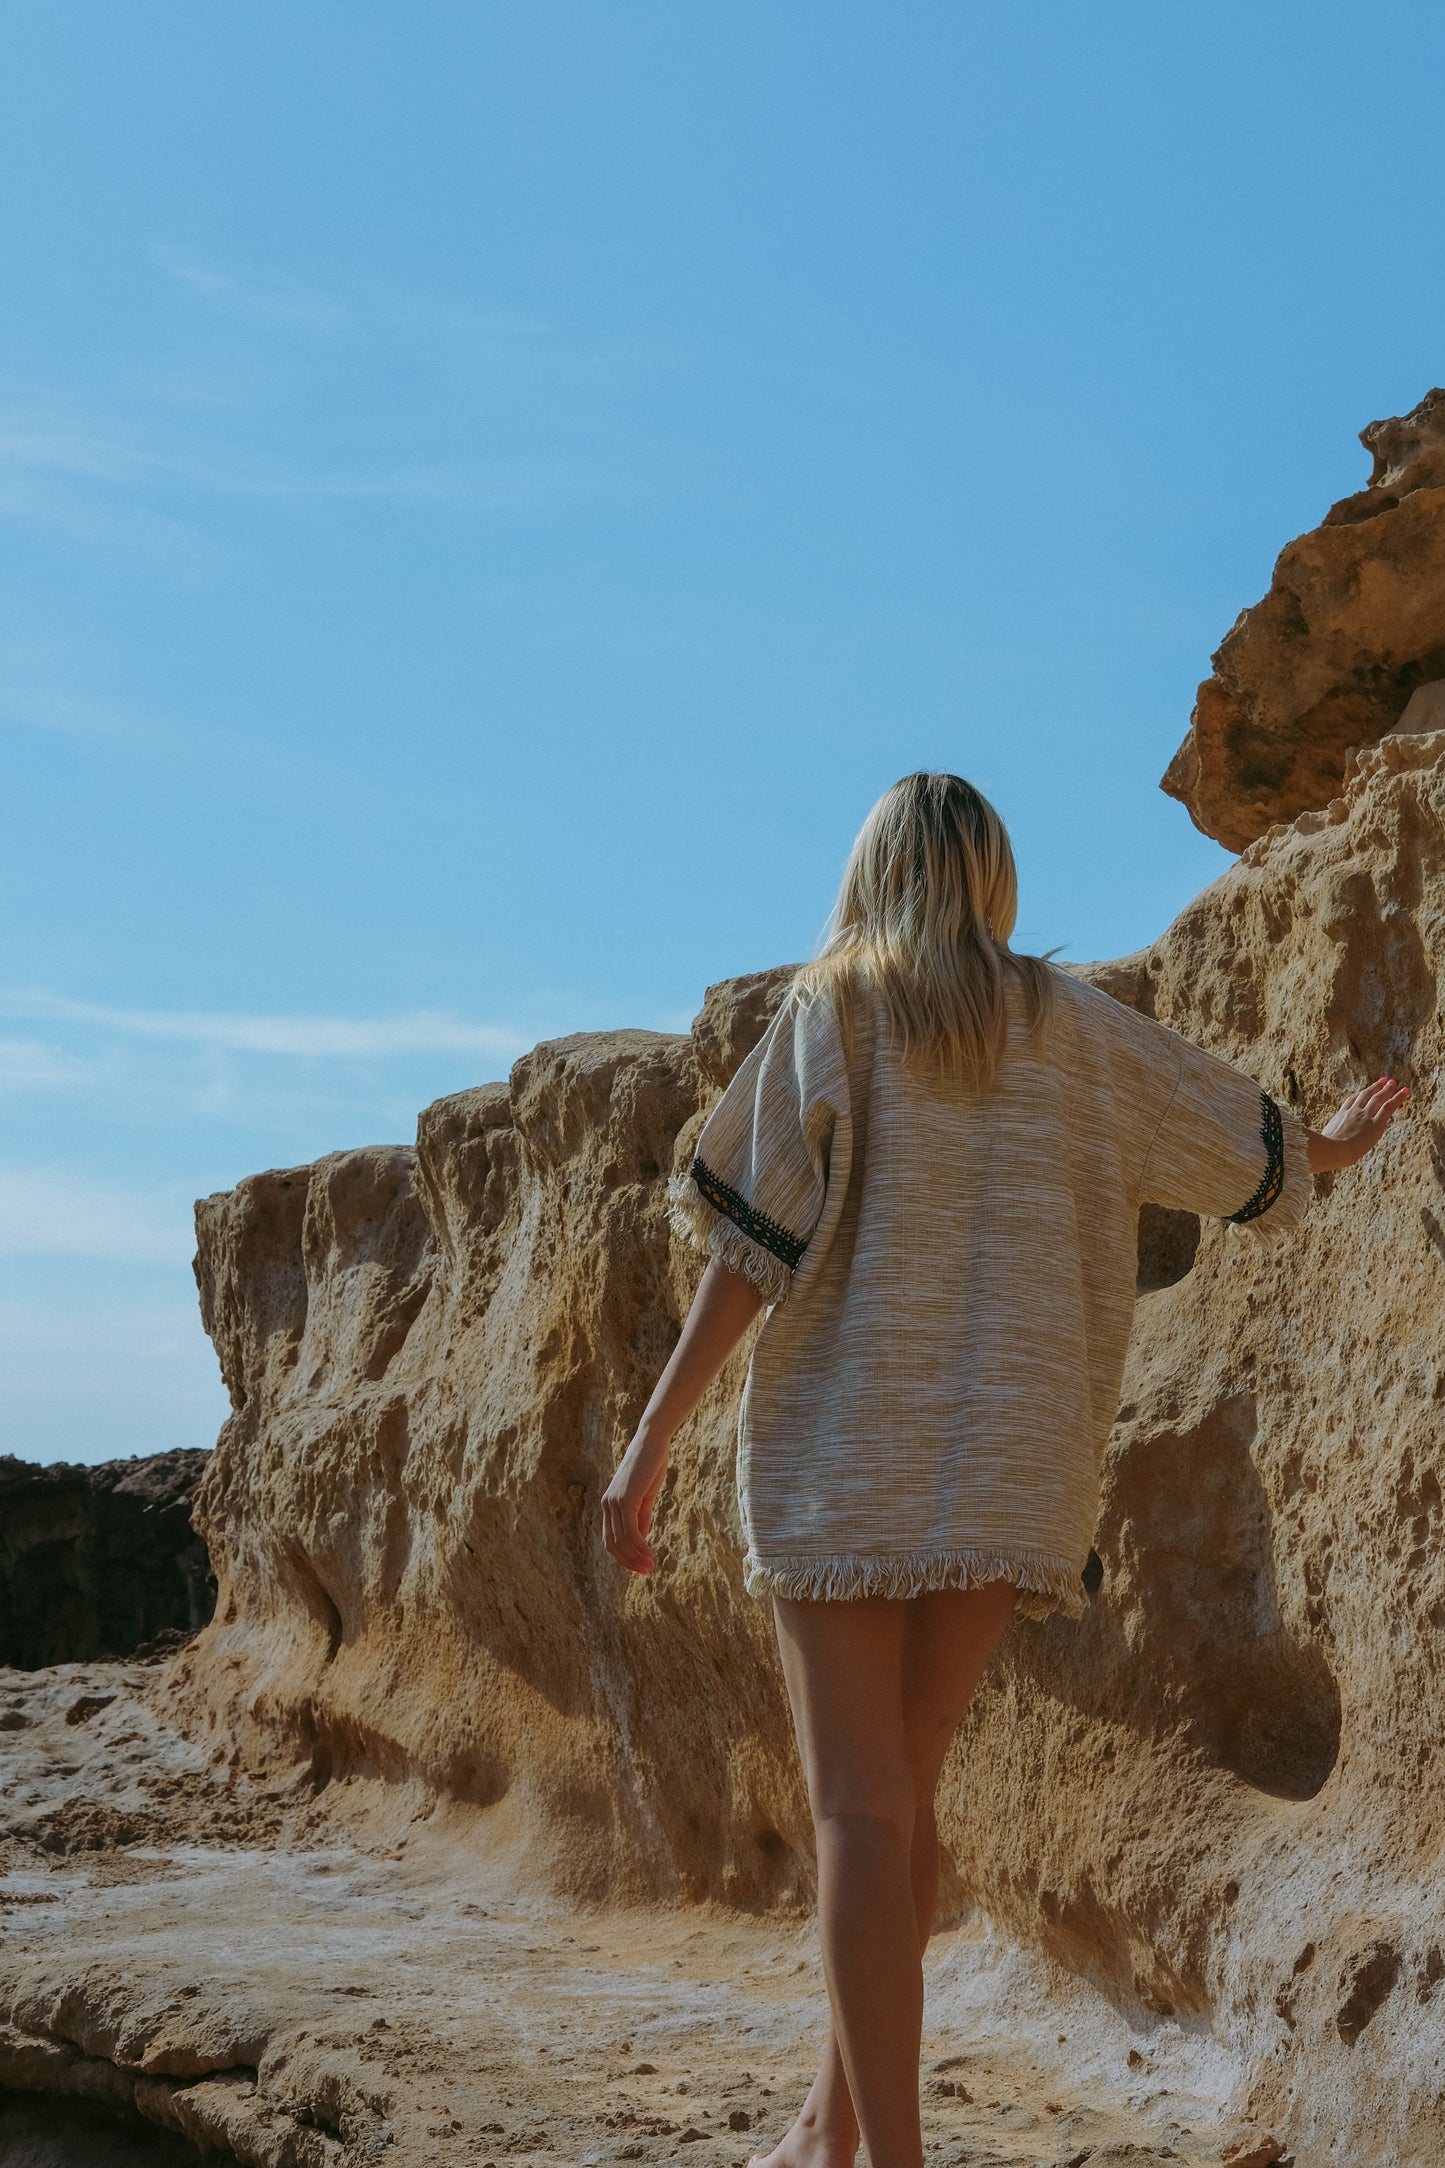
(877, 1690)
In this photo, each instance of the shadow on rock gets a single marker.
(1184, 1632)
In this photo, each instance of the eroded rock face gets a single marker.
(1215, 1793)
(1352, 627)
(433, 1356)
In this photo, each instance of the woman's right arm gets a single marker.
(723, 1308)
(1357, 1128)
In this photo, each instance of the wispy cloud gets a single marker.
(269, 299)
(136, 534)
(31, 700)
(505, 348)
(44, 1210)
(32, 456)
(104, 1373)
(498, 331)
(29, 1065)
(507, 415)
(307, 1038)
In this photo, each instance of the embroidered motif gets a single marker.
(756, 1225)
(1272, 1180)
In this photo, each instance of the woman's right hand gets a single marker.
(1359, 1125)
(629, 1500)
(722, 1310)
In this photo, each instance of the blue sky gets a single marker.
(490, 494)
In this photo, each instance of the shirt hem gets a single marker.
(1045, 1584)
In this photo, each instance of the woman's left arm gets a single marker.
(722, 1310)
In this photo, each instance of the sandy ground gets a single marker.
(305, 1981)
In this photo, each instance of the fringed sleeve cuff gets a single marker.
(1287, 1185)
(719, 1221)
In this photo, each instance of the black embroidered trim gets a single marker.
(757, 1225)
(1272, 1181)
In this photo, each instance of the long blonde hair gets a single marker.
(928, 901)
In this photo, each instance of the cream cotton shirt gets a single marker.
(952, 1281)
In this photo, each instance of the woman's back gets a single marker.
(953, 1278)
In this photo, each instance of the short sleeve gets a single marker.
(759, 1177)
(1225, 1148)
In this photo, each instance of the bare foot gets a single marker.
(808, 2145)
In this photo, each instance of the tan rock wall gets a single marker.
(434, 1356)
(1216, 1794)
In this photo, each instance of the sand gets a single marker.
(357, 1975)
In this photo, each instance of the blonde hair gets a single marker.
(928, 900)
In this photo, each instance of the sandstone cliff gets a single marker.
(1215, 1794)
(1351, 629)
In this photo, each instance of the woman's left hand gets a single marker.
(629, 1500)
(1357, 1128)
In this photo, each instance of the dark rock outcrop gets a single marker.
(96, 1562)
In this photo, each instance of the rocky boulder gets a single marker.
(1352, 628)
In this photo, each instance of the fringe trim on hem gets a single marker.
(1289, 1207)
(1045, 1584)
(717, 1236)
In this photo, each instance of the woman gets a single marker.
(931, 1169)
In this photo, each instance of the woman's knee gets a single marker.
(853, 1808)
(925, 1823)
